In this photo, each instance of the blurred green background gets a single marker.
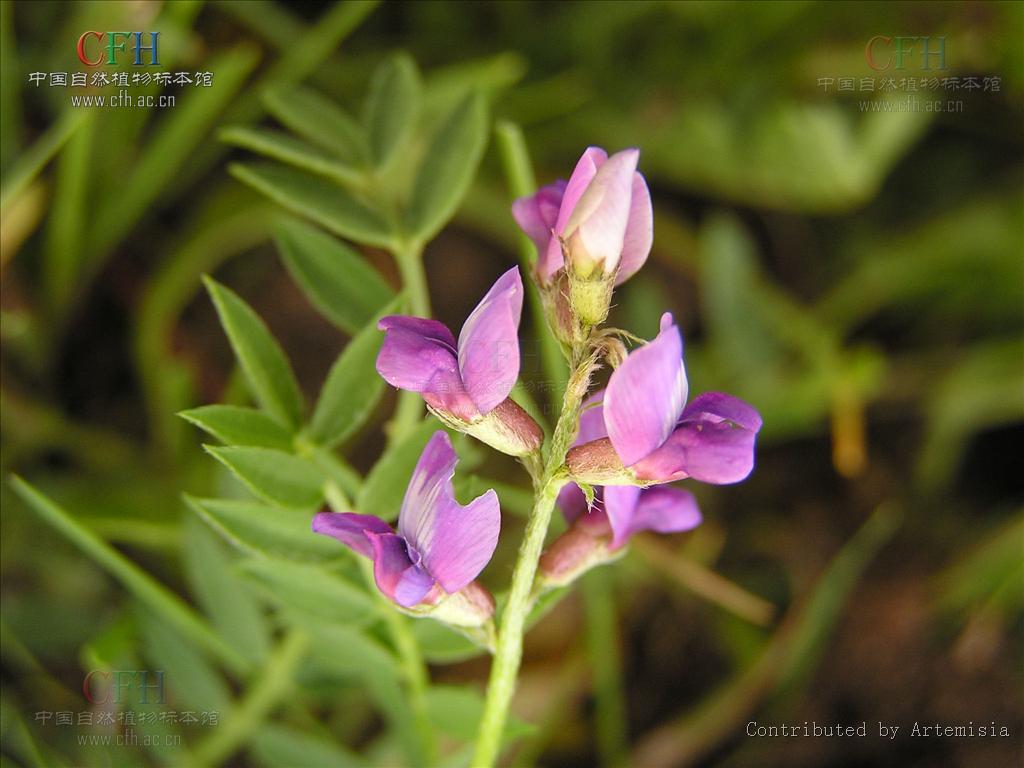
(856, 273)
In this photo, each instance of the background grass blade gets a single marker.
(150, 592)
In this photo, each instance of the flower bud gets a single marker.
(590, 297)
(584, 546)
(596, 231)
(557, 308)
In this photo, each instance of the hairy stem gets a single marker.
(509, 650)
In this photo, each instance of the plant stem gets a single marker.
(414, 669)
(409, 257)
(267, 691)
(416, 676)
(509, 651)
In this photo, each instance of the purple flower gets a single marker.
(620, 511)
(603, 214)
(597, 534)
(466, 384)
(439, 545)
(652, 435)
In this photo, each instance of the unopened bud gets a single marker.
(584, 546)
(595, 233)
(590, 296)
(555, 297)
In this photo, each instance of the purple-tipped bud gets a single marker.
(574, 553)
(602, 216)
(599, 534)
(596, 231)
(597, 463)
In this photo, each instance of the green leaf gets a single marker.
(276, 476)
(175, 137)
(235, 425)
(440, 644)
(352, 387)
(352, 652)
(456, 711)
(137, 581)
(264, 694)
(514, 499)
(320, 121)
(384, 489)
(265, 531)
(337, 470)
(448, 169)
(343, 654)
(266, 368)
(391, 107)
(286, 148)
(316, 199)
(335, 278)
(987, 577)
(980, 391)
(23, 172)
(232, 607)
(68, 216)
(187, 675)
(281, 745)
(312, 589)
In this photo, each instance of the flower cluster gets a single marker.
(592, 233)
